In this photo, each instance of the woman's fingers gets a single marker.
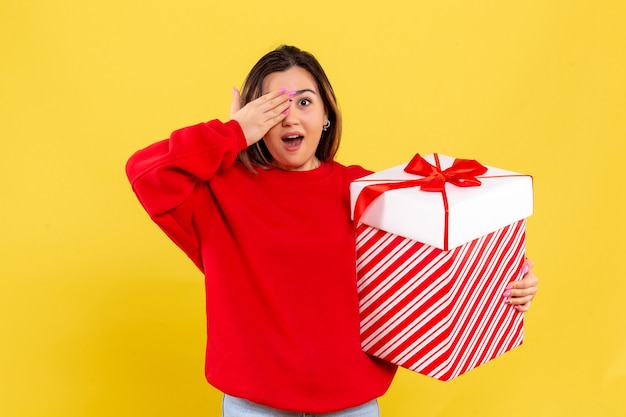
(522, 308)
(521, 293)
(274, 105)
(235, 105)
(260, 115)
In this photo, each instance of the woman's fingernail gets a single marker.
(506, 294)
(510, 287)
(291, 93)
(524, 269)
(286, 111)
(282, 90)
(516, 307)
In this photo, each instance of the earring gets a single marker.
(326, 125)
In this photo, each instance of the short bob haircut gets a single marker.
(282, 59)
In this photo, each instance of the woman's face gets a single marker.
(293, 142)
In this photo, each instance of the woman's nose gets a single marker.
(291, 116)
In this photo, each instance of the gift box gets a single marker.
(438, 240)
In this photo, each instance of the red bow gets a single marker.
(462, 173)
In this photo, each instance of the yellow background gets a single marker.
(101, 315)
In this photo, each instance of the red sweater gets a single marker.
(278, 253)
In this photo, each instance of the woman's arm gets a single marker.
(166, 175)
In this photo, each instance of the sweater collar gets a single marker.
(317, 174)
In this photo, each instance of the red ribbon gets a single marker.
(462, 173)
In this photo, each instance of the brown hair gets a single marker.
(282, 59)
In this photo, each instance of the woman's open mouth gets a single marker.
(292, 141)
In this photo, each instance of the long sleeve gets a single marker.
(166, 175)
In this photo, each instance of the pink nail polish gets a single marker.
(525, 269)
(291, 93)
(286, 111)
(510, 287)
(506, 294)
(282, 90)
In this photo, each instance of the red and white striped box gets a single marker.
(436, 310)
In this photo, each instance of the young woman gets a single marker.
(261, 207)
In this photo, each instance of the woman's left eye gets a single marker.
(304, 102)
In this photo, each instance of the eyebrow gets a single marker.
(305, 90)
(298, 92)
